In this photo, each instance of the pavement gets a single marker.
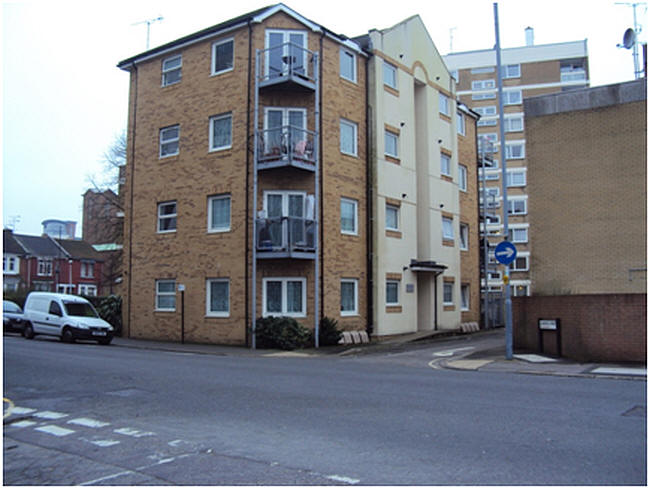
(488, 358)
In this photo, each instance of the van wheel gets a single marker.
(67, 336)
(28, 331)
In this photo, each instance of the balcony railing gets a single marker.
(286, 146)
(287, 65)
(285, 237)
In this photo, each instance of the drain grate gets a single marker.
(636, 411)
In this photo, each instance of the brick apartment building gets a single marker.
(250, 183)
(528, 71)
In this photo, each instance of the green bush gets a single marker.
(281, 332)
(110, 310)
(328, 333)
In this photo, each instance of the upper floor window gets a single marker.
(515, 151)
(486, 110)
(10, 264)
(483, 84)
(286, 52)
(511, 71)
(87, 269)
(445, 164)
(391, 144)
(169, 140)
(390, 75)
(349, 216)
(167, 217)
(517, 206)
(348, 137)
(348, 62)
(513, 123)
(512, 97)
(464, 236)
(392, 217)
(462, 177)
(460, 123)
(219, 213)
(220, 132)
(516, 177)
(444, 105)
(448, 293)
(518, 235)
(447, 228)
(484, 69)
(44, 267)
(223, 56)
(171, 70)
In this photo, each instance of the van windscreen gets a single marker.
(82, 309)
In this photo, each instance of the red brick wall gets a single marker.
(594, 327)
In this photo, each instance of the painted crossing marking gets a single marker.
(54, 430)
(22, 410)
(105, 443)
(49, 415)
(89, 423)
(133, 433)
(345, 480)
(23, 424)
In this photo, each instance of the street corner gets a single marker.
(7, 407)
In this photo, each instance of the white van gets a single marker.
(69, 317)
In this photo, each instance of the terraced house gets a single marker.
(250, 190)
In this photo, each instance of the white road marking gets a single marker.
(54, 430)
(106, 478)
(340, 478)
(531, 357)
(49, 415)
(133, 433)
(22, 410)
(105, 443)
(23, 424)
(449, 353)
(89, 423)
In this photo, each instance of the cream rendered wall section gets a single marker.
(409, 45)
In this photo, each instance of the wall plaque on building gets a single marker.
(548, 324)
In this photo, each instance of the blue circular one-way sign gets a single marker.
(505, 252)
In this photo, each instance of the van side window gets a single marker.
(55, 309)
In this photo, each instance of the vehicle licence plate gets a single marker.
(99, 333)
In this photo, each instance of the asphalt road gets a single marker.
(90, 414)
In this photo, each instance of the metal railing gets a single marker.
(288, 60)
(286, 143)
(285, 234)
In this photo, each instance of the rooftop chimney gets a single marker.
(530, 36)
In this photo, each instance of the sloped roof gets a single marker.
(9, 243)
(39, 245)
(79, 250)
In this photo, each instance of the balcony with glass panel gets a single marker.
(286, 146)
(285, 237)
(287, 65)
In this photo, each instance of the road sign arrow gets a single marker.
(507, 252)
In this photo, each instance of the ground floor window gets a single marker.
(88, 289)
(284, 297)
(392, 292)
(65, 288)
(448, 293)
(218, 297)
(166, 295)
(349, 297)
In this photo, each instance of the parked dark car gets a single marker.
(12, 317)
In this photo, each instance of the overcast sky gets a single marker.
(64, 101)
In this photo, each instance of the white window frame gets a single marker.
(44, 267)
(447, 228)
(509, 150)
(397, 284)
(525, 258)
(460, 124)
(286, 39)
(444, 104)
(486, 110)
(513, 238)
(214, 119)
(511, 204)
(159, 294)
(462, 178)
(349, 125)
(463, 242)
(88, 290)
(349, 60)
(284, 281)
(10, 264)
(519, 172)
(355, 311)
(222, 229)
(478, 85)
(512, 97)
(65, 288)
(215, 45)
(208, 293)
(397, 210)
(464, 297)
(355, 205)
(486, 122)
(167, 140)
(87, 269)
(448, 286)
(513, 123)
(391, 136)
(167, 70)
(511, 71)
(445, 164)
(391, 70)
(166, 216)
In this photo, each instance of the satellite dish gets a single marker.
(629, 38)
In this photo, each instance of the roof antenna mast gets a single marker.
(149, 22)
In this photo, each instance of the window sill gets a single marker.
(393, 309)
(164, 310)
(391, 90)
(217, 316)
(446, 178)
(349, 314)
(222, 72)
(448, 242)
(449, 307)
(218, 150)
(352, 83)
(445, 117)
(392, 159)
(393, 234)
(350, 233)
(219, 231)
